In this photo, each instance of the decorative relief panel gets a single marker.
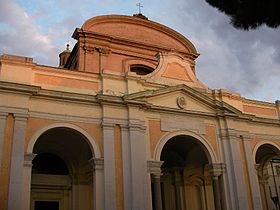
(172, 123)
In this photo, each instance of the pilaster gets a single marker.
(109, 165)
(234, 167)
(3, 117)
(252, 173)
(17, 164)
(98, 183)
(139, 173)
(126, 163)
(103, 54)
(90, 58)
(28, 157)
(277, 104)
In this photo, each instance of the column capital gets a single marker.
(28, 157)
(108, 125)
(154, 167)
(103, 51)
(258, 166)
(216, 169)
(88, 49)
(228, 134)
(3, 115)
(124, 127)
(136, 125)
(20, 117)
(97, 163)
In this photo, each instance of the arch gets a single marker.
(205, 145)
(258, 145)
(90, 140)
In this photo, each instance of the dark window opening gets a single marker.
(141, 69)
(46, 205)
(46, 163)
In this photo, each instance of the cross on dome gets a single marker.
(139, 7)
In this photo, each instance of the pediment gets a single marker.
(181, 98)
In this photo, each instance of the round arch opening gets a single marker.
(267, 159)
(186, 182)
(62, 176)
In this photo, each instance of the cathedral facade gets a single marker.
(124, 124)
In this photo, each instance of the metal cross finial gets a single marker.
(139, 6)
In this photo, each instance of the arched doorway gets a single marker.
(62, 176)
(268, 168)
(187, 175)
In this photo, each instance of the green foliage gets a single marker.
(250, 14)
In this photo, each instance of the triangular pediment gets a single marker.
(181, 98)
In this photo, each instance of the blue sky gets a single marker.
(246, 62)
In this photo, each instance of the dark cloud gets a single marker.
(242, 61)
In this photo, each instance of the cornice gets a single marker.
(20, 113)
(63, 117)
(68, 96)
(159, 109)
(108, 99)
(265, 136)
(79, 33)
(247, 135)
(221, 108)
(37, 92)
(58, 72)
(255, 102)
(255, 119)
(17, 60)
(19, 88)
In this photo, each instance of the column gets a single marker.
(177, 184)
(217, 195)
(98, 183)
(263, 182)
(154, 168)
(157, 192)
(252, 173)
(28, 157)
(17, 163)
(109, 166)
(216, 170)
(3, 117)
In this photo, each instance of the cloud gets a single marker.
(21, 35)
(247, 62)
(242, 61)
